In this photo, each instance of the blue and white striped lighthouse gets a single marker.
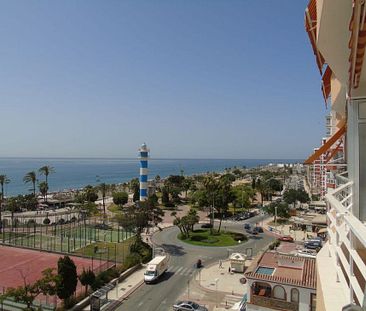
(143, 156)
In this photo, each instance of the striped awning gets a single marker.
(327, 145)
(326, 83)
(310, 26)
(357, 43)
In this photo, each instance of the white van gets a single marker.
(155, 268)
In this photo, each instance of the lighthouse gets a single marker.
(143, 157)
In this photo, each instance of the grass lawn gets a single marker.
(203, 237)
(115, 251)
(114, 208)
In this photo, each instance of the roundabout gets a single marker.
(204, 237)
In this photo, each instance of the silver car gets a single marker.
(188, 306)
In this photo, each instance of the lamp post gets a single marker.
(216, 281)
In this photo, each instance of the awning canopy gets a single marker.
(357, 43)
(310, 25)
(326, 83)
(327, 145)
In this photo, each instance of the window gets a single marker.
(294, 295)
(312, 302)
(279, 292)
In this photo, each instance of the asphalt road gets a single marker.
(162, 295)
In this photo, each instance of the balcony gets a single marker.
(273, 303)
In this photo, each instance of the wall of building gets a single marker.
(304, 295)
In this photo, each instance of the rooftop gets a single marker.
(286, 269)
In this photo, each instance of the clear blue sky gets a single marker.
(191, 78)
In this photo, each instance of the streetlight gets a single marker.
(188, 289)
(217, 298)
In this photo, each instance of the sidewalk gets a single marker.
(216, 288)
(125, 288)
(281, 230)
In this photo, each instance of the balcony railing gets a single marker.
(273, 303)
(344, 229)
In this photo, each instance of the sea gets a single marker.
(75, 173)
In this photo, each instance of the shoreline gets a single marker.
(163, 172)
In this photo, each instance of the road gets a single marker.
(161, 296)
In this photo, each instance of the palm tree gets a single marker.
(103, 189)
(46, 170)
(3, 180)
(43, 189)
(31, 177)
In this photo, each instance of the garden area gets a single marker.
(204, 237)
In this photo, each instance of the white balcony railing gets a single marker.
(344, 227)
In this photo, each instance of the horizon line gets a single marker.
(136, 158)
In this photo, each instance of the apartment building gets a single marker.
(337, 33)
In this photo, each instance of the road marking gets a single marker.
(140, 304)
(183, 271)
(176, 272)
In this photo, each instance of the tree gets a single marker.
(290, 196)
(46, 170)
(3, 181)
(153, 200)
(29, 291)
(31, 177)
(143, 215)
(275, 184)
(90, 194)
(12, 205)
(68, 278)
(43, 189)
(120, 198)
(187, 222)
(282, 209)
(87, 277)
(165, 196)
(103, 190)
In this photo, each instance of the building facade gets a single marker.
(337, 33)
(281, 282)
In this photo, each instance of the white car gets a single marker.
(188, 306)
(306, 253)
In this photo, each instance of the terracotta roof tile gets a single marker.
(292, 270)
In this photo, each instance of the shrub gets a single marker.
(133, 259)
(46, 221)
(239, 236)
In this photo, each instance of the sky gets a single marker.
(191, 78)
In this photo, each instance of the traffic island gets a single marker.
(204, 237)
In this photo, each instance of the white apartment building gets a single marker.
(337, 33)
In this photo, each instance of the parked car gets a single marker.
(258, 229)
(188, 306)
(252, 231)
(286, 238)
(206, 225)
(306, 253)
(315, 243)
(247, 226)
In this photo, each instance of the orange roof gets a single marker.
(326, 146)
(300, 271)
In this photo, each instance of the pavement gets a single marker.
(297, 235)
